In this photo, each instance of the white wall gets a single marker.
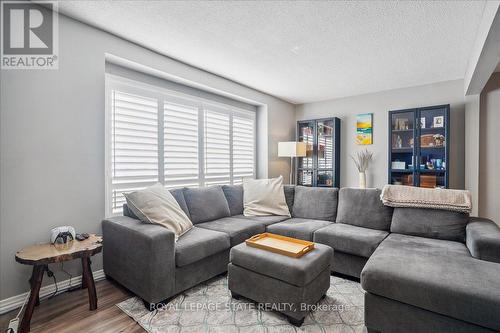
(52, 141)
(379, 104)
(472, 131)
(489, 151)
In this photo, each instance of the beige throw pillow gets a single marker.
(156, 205)
(263, 197)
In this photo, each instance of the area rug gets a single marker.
(209, 307)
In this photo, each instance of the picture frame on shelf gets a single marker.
(438, 122)
(398, 165)
(422, 122)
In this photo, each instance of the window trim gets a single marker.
(116, 82)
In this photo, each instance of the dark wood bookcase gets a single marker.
(321, 166)
(419, 146)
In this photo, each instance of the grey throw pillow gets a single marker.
(234, 197)
(363, 208)
(206, 203)
(430, 223)
(315, 203)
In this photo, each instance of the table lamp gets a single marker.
(291, 149)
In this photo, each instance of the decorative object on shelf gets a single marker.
(399, 165)
(427, 140)
(292, 149)
(439, 163)
(306, 131)
(402, 124)
(399, 142)
(362, 161)
(364, 129)
(438, 140)
(422, 122)
(438, 122)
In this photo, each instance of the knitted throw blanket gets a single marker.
(417, 197)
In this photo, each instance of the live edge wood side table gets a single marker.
(39, 256)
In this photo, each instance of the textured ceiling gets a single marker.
(301, 51)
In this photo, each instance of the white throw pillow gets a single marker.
(157, 205)
(262, 197)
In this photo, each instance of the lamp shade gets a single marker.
(291, 149)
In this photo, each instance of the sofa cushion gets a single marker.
(199, 243)
(350, 239)
(296, 271)
(297, 228)
(289, 194)
(234, 197)
(431, 223)
(435, 275)
(206, 203)
(483, 239)
(363, 208)
(178, 194)
(264, 220)
(315, 203)
(238, 229)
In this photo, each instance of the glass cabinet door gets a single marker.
(321, 165)
(402, 145)
(325, 131)
(432, 154)
(305, 164)
(306, 134)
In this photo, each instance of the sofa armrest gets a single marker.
(140, 256)
(483, 239)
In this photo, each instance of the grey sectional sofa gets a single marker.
(423, 270)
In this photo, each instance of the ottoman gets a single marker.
(277, 282)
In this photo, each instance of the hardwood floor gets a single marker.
(69, 312)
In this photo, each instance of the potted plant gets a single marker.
(362, 161)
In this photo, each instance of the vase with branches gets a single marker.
(362, 161)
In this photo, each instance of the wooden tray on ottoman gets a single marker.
(287, 246)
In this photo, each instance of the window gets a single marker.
(154, 135)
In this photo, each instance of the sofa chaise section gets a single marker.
(437, 276)
(424, 273)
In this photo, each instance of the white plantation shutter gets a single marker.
(243, 147)
(217, 148)
(155, 135)
(134, 146)
(181, 154)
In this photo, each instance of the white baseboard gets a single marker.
(14, 302)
